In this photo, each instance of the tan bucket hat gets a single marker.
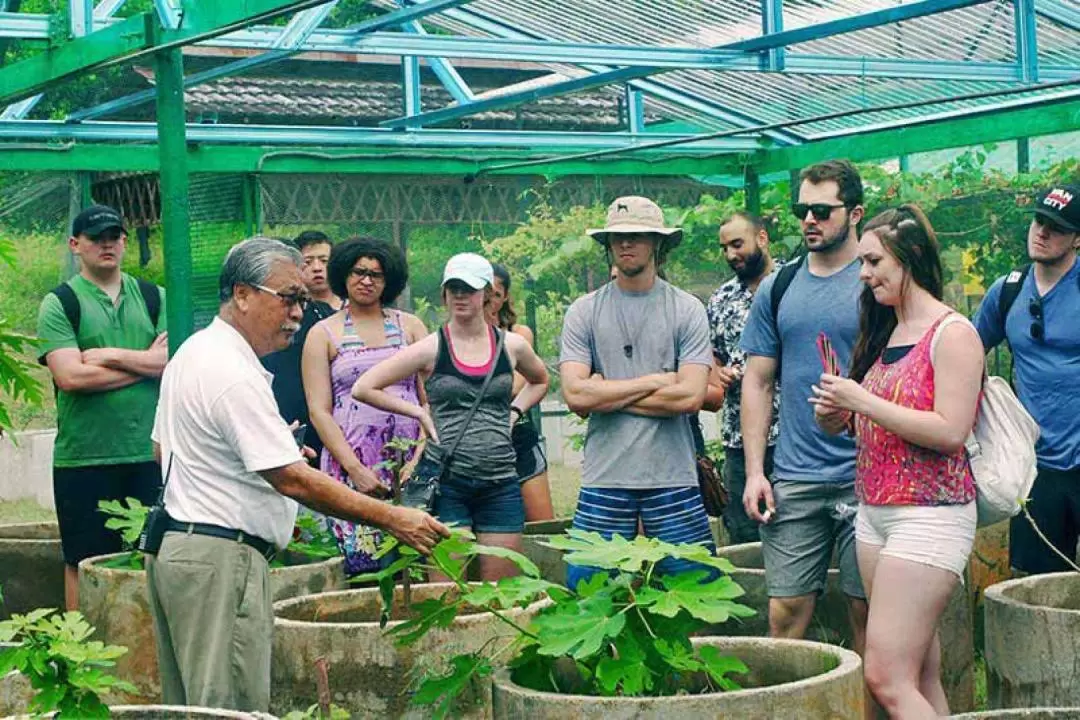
(635, 214)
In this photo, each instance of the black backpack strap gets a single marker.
(784, 277)
(1010, 290)
(70, 302)
(152, 297)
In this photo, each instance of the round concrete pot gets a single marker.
(1025, 714)
(831, 623)
(549, 560)
(33, 567)
(116, 603)
(368, 673)
(15, 690)
(794, 679)
(1033, 641)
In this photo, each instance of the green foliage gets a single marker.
(624, 632)
(65, 667)
(127, 519)
(314, 713)
(17, 384)
(312, 539)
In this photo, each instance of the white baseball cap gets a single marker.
(472, 269)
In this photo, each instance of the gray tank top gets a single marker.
(486, 451)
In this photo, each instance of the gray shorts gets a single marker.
(812, 519)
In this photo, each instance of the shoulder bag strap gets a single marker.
(479, 396)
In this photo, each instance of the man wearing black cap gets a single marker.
(103, 339)
(1035, 308)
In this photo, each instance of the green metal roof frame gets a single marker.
(98, 40)
(946, 101)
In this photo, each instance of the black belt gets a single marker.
(267, 550)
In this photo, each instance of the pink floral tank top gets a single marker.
(892, 471)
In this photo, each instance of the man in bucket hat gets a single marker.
(635, 358)
(1035, 308)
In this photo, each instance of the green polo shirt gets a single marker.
(110, 427)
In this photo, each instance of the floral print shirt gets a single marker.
(728, 309)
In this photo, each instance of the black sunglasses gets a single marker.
(821, 211)
(1038, 328)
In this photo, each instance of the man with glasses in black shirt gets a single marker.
(1035, 309)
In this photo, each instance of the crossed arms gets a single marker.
(103, 369)
(655, 395)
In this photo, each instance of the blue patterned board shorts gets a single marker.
(674, 515)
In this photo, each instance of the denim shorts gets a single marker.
(485, 506)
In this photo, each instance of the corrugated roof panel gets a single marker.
(981, 33)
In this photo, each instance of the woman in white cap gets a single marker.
(480, 489)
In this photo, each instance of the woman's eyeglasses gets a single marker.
(372, 275)
(821, 211)
(1038, 327)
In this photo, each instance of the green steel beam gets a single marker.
(175, 217)
(956, 132)
(204, 158)
(135, 37)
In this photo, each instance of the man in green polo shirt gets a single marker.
(105, 354)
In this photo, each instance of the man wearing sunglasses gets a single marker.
(1035, 310)
(233, 478)
(806, 508)
(314, 247)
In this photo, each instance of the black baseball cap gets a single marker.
(1062, 205)
(95, 220)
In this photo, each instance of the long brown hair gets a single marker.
(507, 316)
(906, 234)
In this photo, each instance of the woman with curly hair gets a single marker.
(370, 274)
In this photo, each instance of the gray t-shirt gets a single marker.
(812, 304)
(666, 328)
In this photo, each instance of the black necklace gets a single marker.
(628, 340)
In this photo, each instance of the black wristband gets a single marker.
(520, 412)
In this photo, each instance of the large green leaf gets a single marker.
(443, 690)
(527, 566)
(720, 666)
(430, 614)
(707, 601)
(625, 672)
(578, 631)
(518, 590)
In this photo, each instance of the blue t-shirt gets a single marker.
(812, 304)
(1047, 372)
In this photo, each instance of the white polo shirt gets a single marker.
(217, 419)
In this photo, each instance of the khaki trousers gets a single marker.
(210, 600)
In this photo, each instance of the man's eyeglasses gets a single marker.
(821, 211)
(1038, 327)
(372, 275)
(297, 298)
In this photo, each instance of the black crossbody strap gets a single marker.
(479, 396)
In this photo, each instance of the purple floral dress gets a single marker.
(366, 429)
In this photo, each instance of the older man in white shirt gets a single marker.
(234, 476)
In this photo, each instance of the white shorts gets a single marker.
(937, 535)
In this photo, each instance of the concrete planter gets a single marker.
(788, 679)
(116, 603)
(15, 690)
(549, 560)
(369, 675)
(32, 565)
(1025, 714)
(831, 624)
(1033, 641)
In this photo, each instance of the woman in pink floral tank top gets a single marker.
(912, 399)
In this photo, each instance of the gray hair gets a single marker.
(250, 262)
